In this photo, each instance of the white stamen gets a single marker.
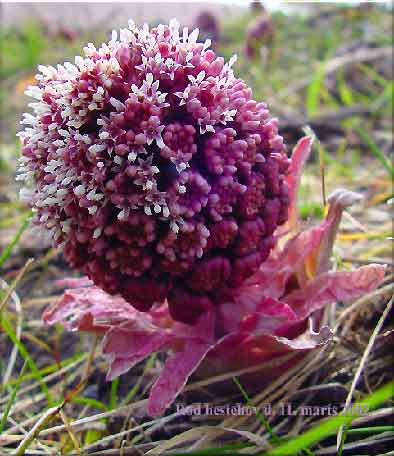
(97, 232)
(79, 190)
(97, 148)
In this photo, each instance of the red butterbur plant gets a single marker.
(152, 167)
(277, 310)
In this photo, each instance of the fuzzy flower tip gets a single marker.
(153, 168)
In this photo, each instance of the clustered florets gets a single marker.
(149, 163)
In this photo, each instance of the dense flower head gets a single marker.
(153, 168)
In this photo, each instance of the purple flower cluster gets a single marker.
(153, 168)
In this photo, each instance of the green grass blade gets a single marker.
(9, 248)
(374, 75)
(45, 370)
(371, 430)
(376, 151)
(344, 92)
(113, 395)
(6, 325)
(386, 97)
(314, 89)
(94, 403)
(11, 400)
(133, 391)
(260, 416)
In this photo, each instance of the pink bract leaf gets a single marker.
(338, 201)
(268, 320)
(274, 273)
(308, 340)
(311, 248)
(119, 366)
(174, 376)
(335, 286)
(88, 309)
(242, 348)
(203, 329)
(254, 312)
(126, 346)
(299, 157)
(129, 344)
